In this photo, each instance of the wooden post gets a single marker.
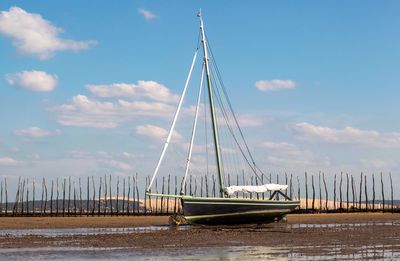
(45, 189)
(213, 188)
(57, 196)
(41, 201)
(298, 188)
(88, 196)
(27, 197)
(306, 184)
(391, 191)
(1, 197)
(94, 197)
(129, 196)
(201, 186)
(262, 181)
(156, 198)
(190, 185)
(69, 195)
(137, 192)
(63, 202)
(105, 195)
(117, 195)
(15, 208)
(22, 197)
(33, 196)
(277, 182)
(319, 192)
(373, 192)
(176, 191)
(255, 177)
(326, 192)
(383, 194)
(169, 184)
(340, 191)
(80, 198)
(334, 192)
(359, 200)
(51, 198)
(206, 184)
(353, 192)
(162, 192)
(286, 182)
(313, 193)
(74, 199)
(5, 188)
(347, 192)
(123, 196)
(110, 191)
(145, 200)
(366, 193)
(99, 198)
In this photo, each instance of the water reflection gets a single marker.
(335, 252)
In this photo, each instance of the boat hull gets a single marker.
(226, 211)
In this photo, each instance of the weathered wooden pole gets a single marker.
(366, 193)
(88, 196)
(298, 188)
(110, 191)
(57, 196)
(117, 195)
(353, 192)
(277, 182)
(176, 191)
(213, 188)
(105, 195)
(306, 184)
(94, 196)
(319, 192)
(373, 192)
(313, 193)
(16, 202)
(326, 192)
(75, 209)
(99, 198)
(129, 196)
(359, 200)
(383, 194)
(33, 196)
(162, 192)
(22, 197)
(391, 191)
(156, 198)
(80, 198)
(69, 196)
(6, 195)
(63, 201)
(45, 202)
(206, 185)
(1, 197)
(286, 183)
(201, 186)
(27, 197)
(334, 192)
(347, 192)
(51, 198)
(169, 184)
(340, 191)
(137, 193)
(123, 196)
(42, 199)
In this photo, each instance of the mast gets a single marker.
(212, 109)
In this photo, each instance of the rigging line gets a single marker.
(173, 122)
(228, 100)
(206, 129)
(231, 131)
(194, 129)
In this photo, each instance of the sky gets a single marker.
(90, 87)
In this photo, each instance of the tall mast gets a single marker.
(212, 109)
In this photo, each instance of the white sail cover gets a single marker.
(255, 189)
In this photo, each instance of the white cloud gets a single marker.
(9, 162)
(33, 80)
(36, 132)
(32, 35)
(142, 89)
(348, 135)
(375, 163)
(86, 112)
(156, 132)
(274, 85)
(115, 164)
(148, 15)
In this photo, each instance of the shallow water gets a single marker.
(293, 252)
(335, 252)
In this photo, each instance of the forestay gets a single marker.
(255, 189)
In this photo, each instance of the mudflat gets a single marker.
(313, 233)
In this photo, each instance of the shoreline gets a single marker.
(146, 221)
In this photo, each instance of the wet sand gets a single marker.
(313, 233)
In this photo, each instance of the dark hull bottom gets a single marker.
(228, 211)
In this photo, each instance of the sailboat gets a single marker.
(223, 209)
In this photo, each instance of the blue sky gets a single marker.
(333, 67)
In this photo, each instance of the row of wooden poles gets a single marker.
(63, 197)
